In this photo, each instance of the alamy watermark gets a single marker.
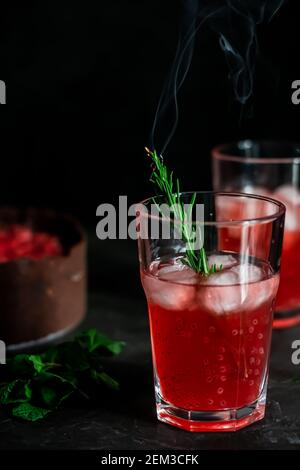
(296, 92)
(2, 92)
(296, 353)
(2, 352)
(152, 221)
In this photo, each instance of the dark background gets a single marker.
(83, 82)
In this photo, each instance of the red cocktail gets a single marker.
(288, 299)
(271, 169)
(211, 334)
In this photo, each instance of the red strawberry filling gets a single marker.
(19, 241)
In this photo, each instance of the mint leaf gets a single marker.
(19, 367)
(73, 356)
(26, 364)
(102, 377)
(51, 356)
(93, 340)
(53, 398)
(49, 395)
(116, 347)
(17, 391)
(33, 385)
(29, 412)
(68, 379)
(37, 362)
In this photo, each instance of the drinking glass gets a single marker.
(270, 169)
(211, 334)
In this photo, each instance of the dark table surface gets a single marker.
(117, 307)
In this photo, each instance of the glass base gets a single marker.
(212, 421)
(286, 319)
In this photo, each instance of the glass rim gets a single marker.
(281, 209)
(219, 152)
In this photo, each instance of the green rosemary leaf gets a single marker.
(164, 180)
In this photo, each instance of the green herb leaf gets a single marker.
(41, 383)
(49, 395)
(29, 412)
(52, 398)
(73, 356)
(17, 391)
(37, 362)
(93, 340)
(196, 260)
(18, 366)
(51, 356)
(102, 377)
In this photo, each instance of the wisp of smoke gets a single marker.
(235, 22)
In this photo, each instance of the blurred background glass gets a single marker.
(271, 169)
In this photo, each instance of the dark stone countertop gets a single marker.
(119, 310)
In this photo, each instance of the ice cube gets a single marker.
(290, 196)
(250, 189)
(224, 295)
(218, 300)
(239, 288)
(179, 273)
(241, 207)
(220, 259)
(262, 292)
(223, 278)
(172, 287)
(288, 193)
(248, 273)
(292, 219)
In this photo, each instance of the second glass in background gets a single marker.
(269, 169)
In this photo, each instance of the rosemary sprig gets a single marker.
(163, 179)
